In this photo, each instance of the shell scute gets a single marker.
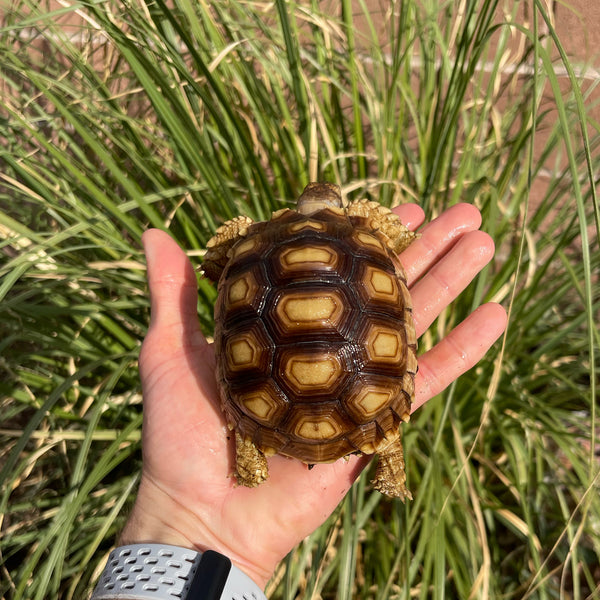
(311, 312)
(313, 374)
(369, 438)
(383, 347)
(367, 397)
(309, 258)
(381, 290)
(249, 352)
(242, 294)
(317, 423)
(249, 248)
(263, 402)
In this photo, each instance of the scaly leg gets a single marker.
(390, 478)
(251, 464)
(382, 219)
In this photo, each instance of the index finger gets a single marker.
(437, 238)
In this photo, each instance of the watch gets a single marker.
(162, 572)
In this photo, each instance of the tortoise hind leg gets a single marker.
(390, 478)
(250, 463)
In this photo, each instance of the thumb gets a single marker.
(173, 291)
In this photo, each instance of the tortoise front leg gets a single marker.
(219, 245)
(383, 220)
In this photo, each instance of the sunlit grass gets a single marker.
(183, 115)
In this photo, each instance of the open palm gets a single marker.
(187, 496)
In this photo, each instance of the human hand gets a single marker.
(187, 496)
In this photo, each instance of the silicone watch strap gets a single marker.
(157, 572)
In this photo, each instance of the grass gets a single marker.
(185, 114)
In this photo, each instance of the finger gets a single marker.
(173, 296)
(438, 237)
(449, 277)
(411, 215)
(173, 288)
(460, 350)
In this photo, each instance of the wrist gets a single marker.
(144, 525)
(161, 571)
(156, 518)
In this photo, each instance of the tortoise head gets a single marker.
(317, 196)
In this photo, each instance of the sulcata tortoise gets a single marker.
(314, 335)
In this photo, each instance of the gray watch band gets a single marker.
(157, 572)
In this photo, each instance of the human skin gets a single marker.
(187, 496)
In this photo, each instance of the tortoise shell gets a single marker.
(314, 337)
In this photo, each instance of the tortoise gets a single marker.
(314, 335)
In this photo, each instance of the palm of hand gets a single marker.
(187, 496)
